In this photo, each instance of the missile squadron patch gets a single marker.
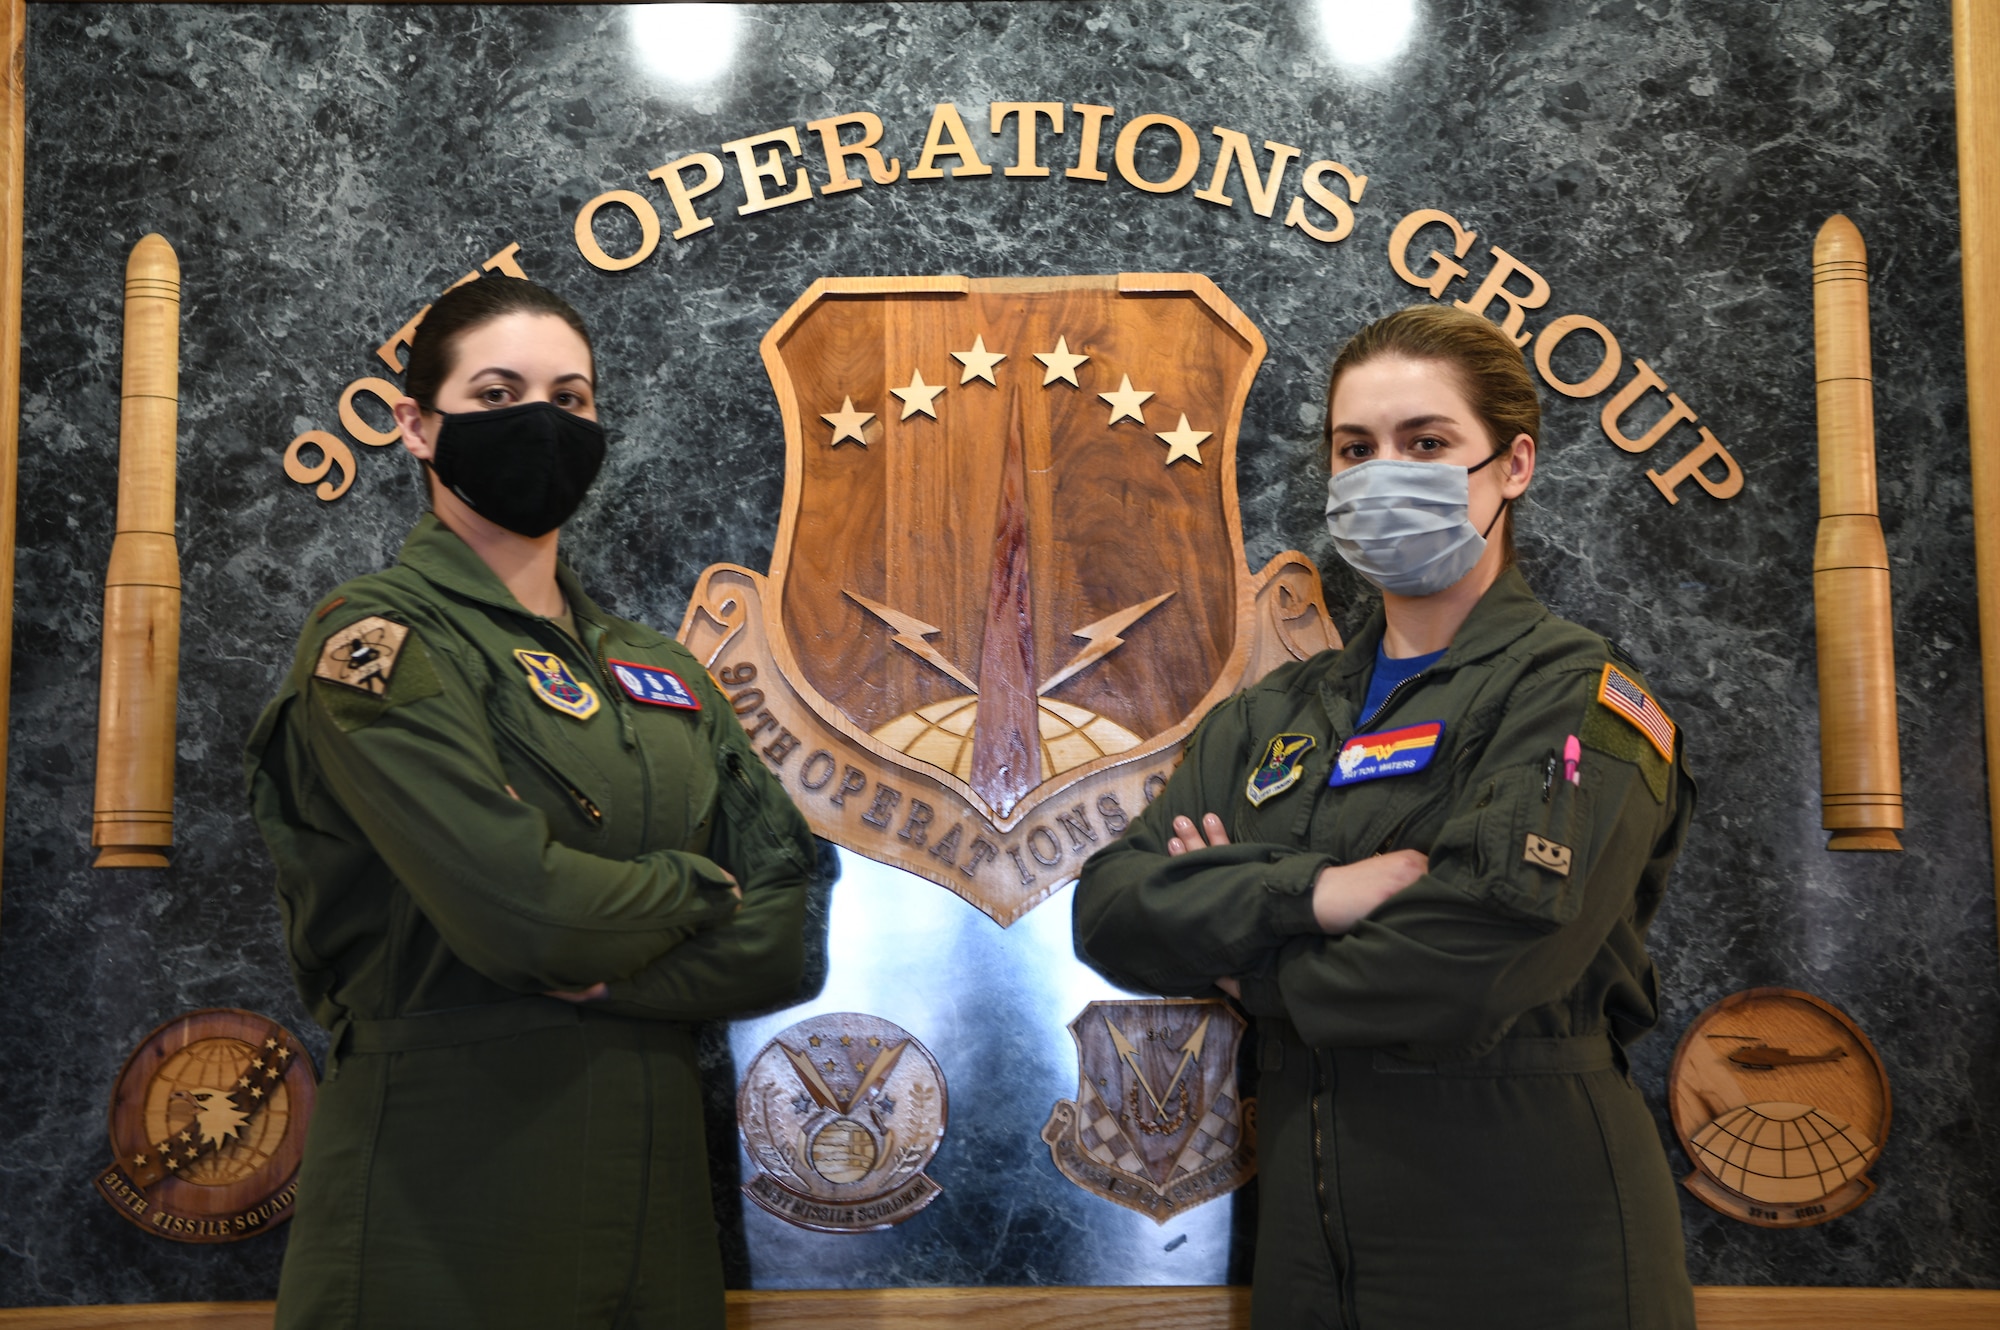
(362, 655)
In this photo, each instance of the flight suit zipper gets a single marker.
(1390, 701)
(583, 801)
(1335, 1243)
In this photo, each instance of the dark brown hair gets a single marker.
(1490, 369)
(463, 308)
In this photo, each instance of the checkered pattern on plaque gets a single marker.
(1100, 1130)
(1213, 1140)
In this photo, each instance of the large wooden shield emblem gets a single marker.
(1009, 575)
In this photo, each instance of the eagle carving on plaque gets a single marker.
(1009, 575)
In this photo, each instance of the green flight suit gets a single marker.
(1447, 1135)
(449, 850)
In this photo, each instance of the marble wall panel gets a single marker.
(325, 170)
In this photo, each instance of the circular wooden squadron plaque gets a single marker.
(1782, 1106)
(208, 1122)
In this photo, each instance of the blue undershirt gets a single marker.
(1390, 671)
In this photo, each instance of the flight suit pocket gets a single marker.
(1532, 838)
(748, 829)
(573, 804)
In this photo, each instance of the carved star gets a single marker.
(270, 1043)
(1181, 442)
(256, 1092)
(138, 1161)
(979, 362)
(257, 1063)
(169, 1163)
(1060, 363)
(847, 422)
(919, 396)
(814, 1041)
(283, 1052)
(186, 1137)
(847, 1041)
(1126, 401)
(243, 1081)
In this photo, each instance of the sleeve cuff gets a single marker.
(1290, 890)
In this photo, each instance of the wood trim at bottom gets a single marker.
(1716, 1308)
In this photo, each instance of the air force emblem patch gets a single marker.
(552, 682)
(1387, 753)
(1284, 761)
(653, 684)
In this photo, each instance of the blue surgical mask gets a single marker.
(1403, 525)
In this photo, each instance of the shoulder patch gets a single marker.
(1622, 694)
(1606, 733)
(363, 655)
(363, 686)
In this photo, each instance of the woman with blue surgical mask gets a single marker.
(1425, 865)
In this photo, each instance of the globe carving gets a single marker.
(1782, 1153)
(171, 1108)
(940, 735)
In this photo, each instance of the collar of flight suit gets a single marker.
(1502, 617)
(435, 552)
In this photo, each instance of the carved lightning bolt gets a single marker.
(1102, 637)
(910, 634)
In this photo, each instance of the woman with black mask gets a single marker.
(520, 845)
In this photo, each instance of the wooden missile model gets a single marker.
(1861, 779)
(133, 821)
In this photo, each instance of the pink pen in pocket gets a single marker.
(1572, 760)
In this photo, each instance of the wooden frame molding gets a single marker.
(1718, 1308)
(1976, 54)
(13, 184)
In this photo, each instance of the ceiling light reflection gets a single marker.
(686, 44)
(1365, 34)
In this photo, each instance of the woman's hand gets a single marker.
(1345, 895)
(582, 995)
(1186, 838)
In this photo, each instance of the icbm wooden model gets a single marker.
(1860, 768)
(134, 819)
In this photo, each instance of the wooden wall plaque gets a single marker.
(208, 1124)
(1009, 574)
(1782, 1105)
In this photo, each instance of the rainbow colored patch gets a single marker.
(1401, 752)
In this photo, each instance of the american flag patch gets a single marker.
(1617, 691)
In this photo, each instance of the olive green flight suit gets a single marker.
(449, 850)
(1446, 1131)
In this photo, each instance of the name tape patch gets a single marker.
(653, 684)
(1400, 752)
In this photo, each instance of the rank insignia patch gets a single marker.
(362, 655)
(654, 684)
(1283, 761)
(1159, 1124)
(549, 676)
(1617, 691)
(1387, 753)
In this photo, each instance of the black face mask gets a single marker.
(525, 467)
